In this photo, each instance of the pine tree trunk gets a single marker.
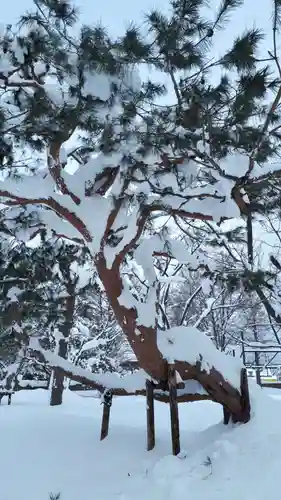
(65, 330)
(58, 378)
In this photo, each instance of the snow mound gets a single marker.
(228, 462)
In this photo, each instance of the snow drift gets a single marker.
(58, 450)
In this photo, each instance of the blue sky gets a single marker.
(117, 14)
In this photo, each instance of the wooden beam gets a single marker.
(272, 385)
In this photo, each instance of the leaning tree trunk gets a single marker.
(65, 329)
(143, 341)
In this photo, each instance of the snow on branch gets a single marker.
(148, 248)
(145, 308)
(158, 245)
(128, 384)
(86, 221)
(63, 212)
(133, 384)
(190, 345)
(210, 208)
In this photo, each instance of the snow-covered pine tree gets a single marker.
(16, 295)
(50, 292)
(154, 165)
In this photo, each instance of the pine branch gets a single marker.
(276, 18)
(224, 11)
(242, 55)
(275, 27)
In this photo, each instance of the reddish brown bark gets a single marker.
(64, 213)
(144, 344)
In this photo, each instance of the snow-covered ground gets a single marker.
(50, 450)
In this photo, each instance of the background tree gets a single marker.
(81, 328)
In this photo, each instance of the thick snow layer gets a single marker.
(190, 344)
(33, 383)
(57, 449)
(236, 164)
(177, 249)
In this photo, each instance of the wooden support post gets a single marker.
(175, 430)
(258, 375)
(150, 415)
(226, 416)
(107, 403)
(245, 396)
